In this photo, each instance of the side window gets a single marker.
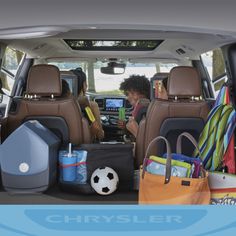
(215, 65)
(10, 64)
(11, 60)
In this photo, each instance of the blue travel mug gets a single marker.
(68, 162)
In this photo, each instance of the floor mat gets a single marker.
(56, 196)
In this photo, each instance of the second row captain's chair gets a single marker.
(43, 102)
(184, 111)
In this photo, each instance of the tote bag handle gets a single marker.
(190, 138)
(168, 160)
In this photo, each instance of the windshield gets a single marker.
(110, 84)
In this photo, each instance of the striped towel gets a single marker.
(218, 132)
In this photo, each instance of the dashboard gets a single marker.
(109, 109)
(111, 104)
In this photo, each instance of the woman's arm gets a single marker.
(132, 126)
(97, 124)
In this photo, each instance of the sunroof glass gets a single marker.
(113, 45)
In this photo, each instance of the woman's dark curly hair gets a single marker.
(136, 83)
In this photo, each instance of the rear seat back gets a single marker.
(171, 117)
(43, 102)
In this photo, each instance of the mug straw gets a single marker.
(70, 150)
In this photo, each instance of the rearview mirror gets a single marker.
(113, 68)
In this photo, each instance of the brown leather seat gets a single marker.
(43, 102)
(182, 112)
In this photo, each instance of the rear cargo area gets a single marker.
(55, 196)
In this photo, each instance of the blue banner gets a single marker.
(43, 220)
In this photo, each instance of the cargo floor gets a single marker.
(56, 196)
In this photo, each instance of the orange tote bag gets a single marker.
(158, 189)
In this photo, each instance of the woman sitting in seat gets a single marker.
(95, 125)
(137, 90)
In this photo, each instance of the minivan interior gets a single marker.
(35, 61)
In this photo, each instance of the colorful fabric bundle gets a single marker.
(216, 141)
(229, 156)
(217, 150)
(195, 162)
(223, 97)
(157, 165)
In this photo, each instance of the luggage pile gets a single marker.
(207, 177)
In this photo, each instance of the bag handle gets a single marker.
(190, 138)
(168, 160)
(194, 142)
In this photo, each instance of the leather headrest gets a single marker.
(184, 82)
(44, 80)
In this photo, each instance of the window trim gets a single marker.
(219, 77)
(205, 77)
(4, 70)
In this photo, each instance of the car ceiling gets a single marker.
(195, 26)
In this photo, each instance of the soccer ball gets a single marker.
(104, 180)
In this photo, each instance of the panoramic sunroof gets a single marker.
(113, 45)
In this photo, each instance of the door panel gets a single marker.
(3, 129)
(2, 110)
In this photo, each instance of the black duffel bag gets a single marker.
(119, 157)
